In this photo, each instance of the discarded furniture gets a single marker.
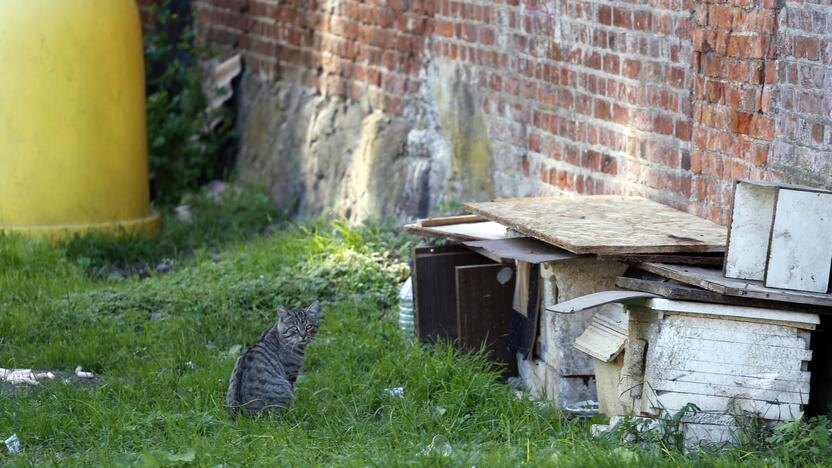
(601, 233)
(780, 235)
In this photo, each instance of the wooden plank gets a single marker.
(671, 289)
(768, 382)
(715, 259)
(750, 229)
(606, 224)
(800, 253)
(461, 232)
(434, 289)
(795, 319)
(484, 295)
(597, 299)
(448, 220)
(525, 249)
(713, 280)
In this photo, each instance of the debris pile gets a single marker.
(645, 309)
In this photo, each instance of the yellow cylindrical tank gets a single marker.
(73, 145)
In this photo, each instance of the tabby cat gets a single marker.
(264, 376)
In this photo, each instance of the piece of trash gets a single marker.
(582, 409)
(395, 391)
(183, 213)
(438, 446)
(13, 444)
(233, 351)
(163, 267)
(79, 372)
(45, 375)
(18, 376)
(439, 411)
(190, 365)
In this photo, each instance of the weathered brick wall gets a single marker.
(348, 48)
(671, 99)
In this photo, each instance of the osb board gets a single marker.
(606, 224)
(487, 230)
(713, 280)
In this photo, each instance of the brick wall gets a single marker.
(671, 99)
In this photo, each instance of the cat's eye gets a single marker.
(309, 328)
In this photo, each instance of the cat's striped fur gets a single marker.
(263, 377)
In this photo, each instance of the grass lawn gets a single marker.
(165, 345)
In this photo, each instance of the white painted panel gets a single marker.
(772, 381)
(750, 229)
(730, 391)
(735, 312)
(732, 370)
(801, 242)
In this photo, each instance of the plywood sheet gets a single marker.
(713, 280)
(484, 295)
(461, 232)
(748, 237)
(525, 249)
(606, 224)
(800, 254)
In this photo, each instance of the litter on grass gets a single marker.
(13, 444)
(395, 391)
(24, 376)
(438, 446)
(79, 372)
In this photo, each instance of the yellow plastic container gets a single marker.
(73, 145)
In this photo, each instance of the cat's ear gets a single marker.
(282, 313)
(314, 308)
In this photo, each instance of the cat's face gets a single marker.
(297, 327)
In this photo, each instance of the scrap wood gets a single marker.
(713, 280)
(672, 289)
(486, 230)
(606, 224)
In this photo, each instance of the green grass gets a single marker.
(164, 346)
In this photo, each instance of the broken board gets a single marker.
(671, 289)
(597, 299)
(713, 280)
(606, 224)
(525, 249)
(434, 289)
(484, 230)
(484, 295)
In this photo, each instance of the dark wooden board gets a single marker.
(714, 259)
(713, 280)
(484, 295)
(434, 289)
(671, 289)
(526, 249)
